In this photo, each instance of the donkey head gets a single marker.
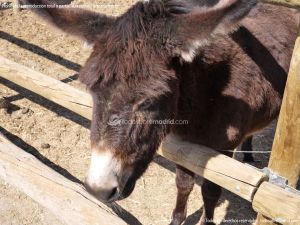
(135, 88)
(131, 77)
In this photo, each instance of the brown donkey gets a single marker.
(220, 65)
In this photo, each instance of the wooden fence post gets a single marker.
(285, 157)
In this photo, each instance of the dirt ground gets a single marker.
(34, 122)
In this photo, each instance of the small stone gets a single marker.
(16, 115)
(25, 110)
(4, 104)
(45, 146)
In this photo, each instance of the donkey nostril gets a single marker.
(113, 194)
(105, 195)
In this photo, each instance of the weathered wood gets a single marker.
(277, 203)
(261, 220)
(68, 201)
(50, 88)
(235, 176)
(288, 3)
(285, 157)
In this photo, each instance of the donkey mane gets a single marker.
(136, 20)
(127, 50)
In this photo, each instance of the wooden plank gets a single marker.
(277, 203)
(234, 176)
(285, 157)
(52, 89)
(68, 201)
(287, 3)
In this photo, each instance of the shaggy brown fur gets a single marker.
(172, 59)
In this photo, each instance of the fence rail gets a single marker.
(68, 201)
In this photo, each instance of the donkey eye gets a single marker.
(145, 105)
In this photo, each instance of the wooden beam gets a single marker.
(287, 3)
(277, 203)
(232, 175)
(285, 157)
(68, 201)
(50, 88)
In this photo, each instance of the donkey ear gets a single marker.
(194, 24)
(78, 22)
(90, 73)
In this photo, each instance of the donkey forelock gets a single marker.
(127, 51)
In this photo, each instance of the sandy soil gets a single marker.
(34, 122)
